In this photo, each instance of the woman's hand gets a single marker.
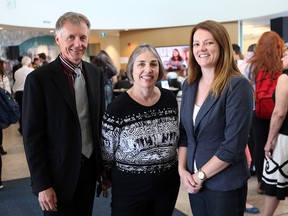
(189, 183)
(268, 149)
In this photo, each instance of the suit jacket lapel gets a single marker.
(188, 101)
(60, 79)
(91, 84)
(206, 106)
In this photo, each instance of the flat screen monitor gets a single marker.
(167, 52)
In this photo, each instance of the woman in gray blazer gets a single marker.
(216, 114)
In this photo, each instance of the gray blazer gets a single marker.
(221, 128)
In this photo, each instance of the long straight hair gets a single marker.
(226, 66)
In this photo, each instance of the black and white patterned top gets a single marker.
(140, 139)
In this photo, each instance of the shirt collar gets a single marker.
(69, 65)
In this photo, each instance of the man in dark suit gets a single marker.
(56, 132)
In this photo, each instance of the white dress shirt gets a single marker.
(20, 77)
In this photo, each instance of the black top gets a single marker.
(141, 139)
(284, 127)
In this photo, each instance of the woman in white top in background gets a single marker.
(20, 77)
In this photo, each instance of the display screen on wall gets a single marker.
(173, 57)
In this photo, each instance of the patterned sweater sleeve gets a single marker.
(110, 135)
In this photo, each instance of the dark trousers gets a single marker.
(218, 203)
(260, 129)
(18, 98)
(83, 199)
(144, 194)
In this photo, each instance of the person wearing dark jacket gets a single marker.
(62, 130)
(103, 60)
(215, 119)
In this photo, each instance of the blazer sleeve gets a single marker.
(239, 108)
(33, 120)
(182, 142)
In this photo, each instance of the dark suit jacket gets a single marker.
(51, 129)
(221, 129)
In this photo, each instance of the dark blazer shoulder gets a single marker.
(51, 67)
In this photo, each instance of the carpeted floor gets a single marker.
(16, 199)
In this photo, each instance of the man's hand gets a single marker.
(48, 200)
(106, 183)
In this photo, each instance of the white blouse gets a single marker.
(5, 83)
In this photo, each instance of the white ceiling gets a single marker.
(114, 15)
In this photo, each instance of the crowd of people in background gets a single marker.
(13, 80)
(136, 141)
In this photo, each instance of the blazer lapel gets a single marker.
(60, 79)
(188, 101)
(91, 83)
(206, 106)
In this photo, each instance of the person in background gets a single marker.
(36, 63)
(185, 54)
(4, 84)
(238, 56)
(103, 60)
(250, 53)
(182, 74)
(140, 134)
(275, 179)
(122, 75)
(267, 58)
(18, 87)
(42, 59)
(242, 67)
(17, 66)
(61, 127)
(175, 61)
(250, 151)
(214, 133)
(171, 75)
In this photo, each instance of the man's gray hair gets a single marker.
(72, 17)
